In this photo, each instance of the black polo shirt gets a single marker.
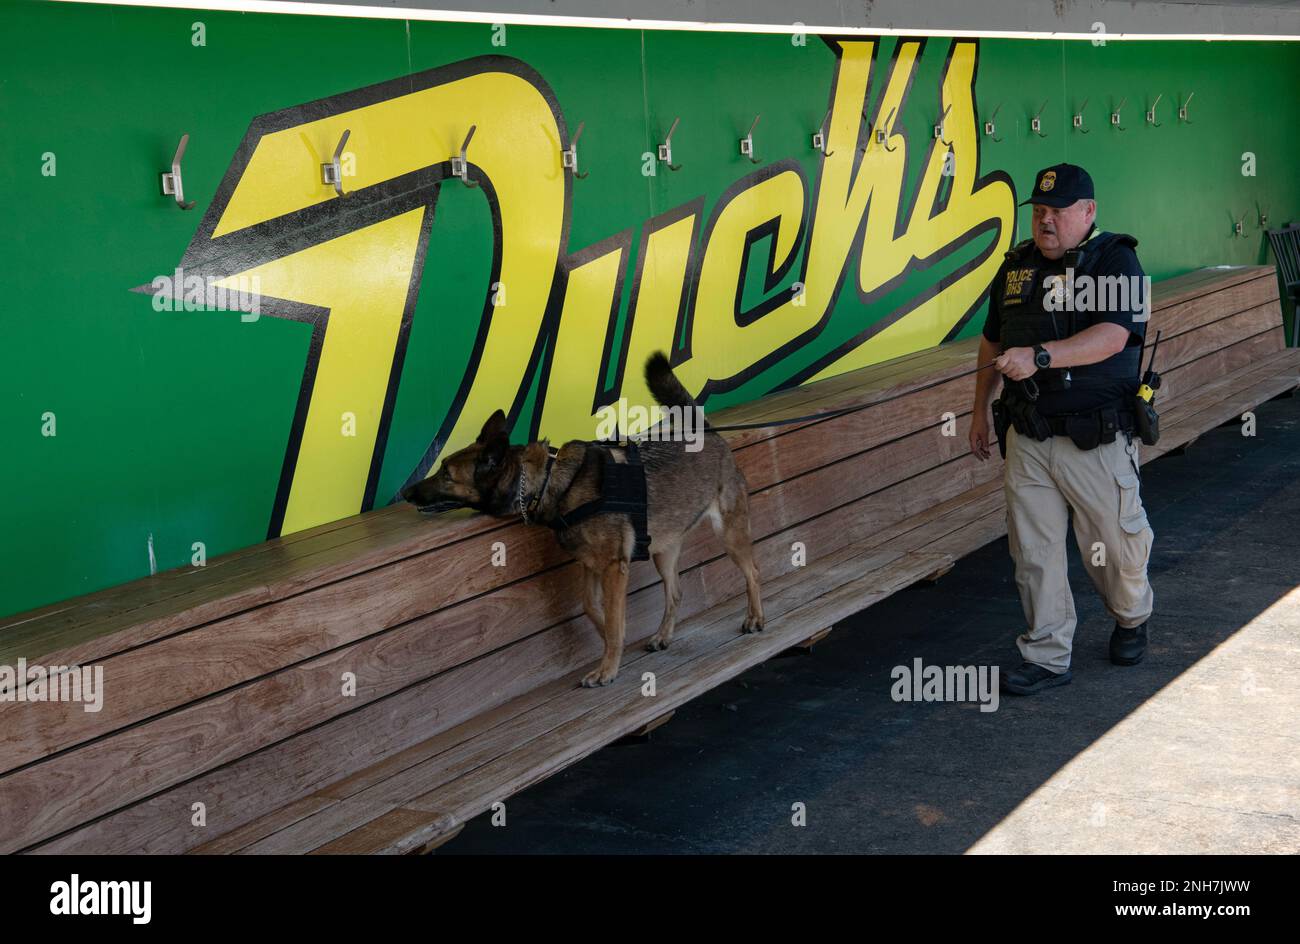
(1117, 259)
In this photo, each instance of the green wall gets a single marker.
(172, 426)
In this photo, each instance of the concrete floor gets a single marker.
(1195, 750)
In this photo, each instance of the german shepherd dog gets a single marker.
(682, 486)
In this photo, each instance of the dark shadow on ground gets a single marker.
(884, 777)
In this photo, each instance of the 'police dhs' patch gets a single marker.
(1048, 182)
(1020, 283)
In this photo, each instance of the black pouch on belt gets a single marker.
(1147, 419)
(1085, 430)
(1000, 424)
(1039, 428)
(1110, 426)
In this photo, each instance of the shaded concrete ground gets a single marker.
(1195, 750)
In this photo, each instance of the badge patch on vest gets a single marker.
(1020, 282)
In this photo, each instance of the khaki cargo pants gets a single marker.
(1042, 480)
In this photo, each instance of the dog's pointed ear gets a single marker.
(494, 452)
(494, 428)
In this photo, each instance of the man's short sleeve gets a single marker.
(1120, 292)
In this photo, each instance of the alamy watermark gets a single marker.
(181, 292)
(1088, 293)
(670, 423)
(919, 682)
(82, 897)
(40, 683)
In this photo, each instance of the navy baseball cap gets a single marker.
(1060, 186)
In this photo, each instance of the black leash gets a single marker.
(810, 417)
(794, 419)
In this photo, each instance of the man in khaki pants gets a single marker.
(1069, 349)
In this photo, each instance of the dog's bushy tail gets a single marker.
(667, 389)
(663, 383)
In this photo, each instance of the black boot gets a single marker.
(1128, 646)
(1031, 678)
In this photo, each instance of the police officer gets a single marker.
(1069, 355)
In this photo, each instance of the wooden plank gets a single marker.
(237, 839)
(868, 391)
(1188, 378)
(397, 832)
(1205, 309)
(795, 400)
(1175, 291)
(176, 582)
(1216, 335)
(1218, 386)
(811, 447)
(257, 784)
(61, 639)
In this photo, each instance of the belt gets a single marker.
(1058, 423)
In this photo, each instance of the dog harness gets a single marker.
(622, 492)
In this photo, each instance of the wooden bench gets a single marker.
(225, 685)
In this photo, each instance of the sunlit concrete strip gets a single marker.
(1211, 763)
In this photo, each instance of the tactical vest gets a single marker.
(1028, 322)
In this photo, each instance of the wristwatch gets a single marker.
(1042, 357)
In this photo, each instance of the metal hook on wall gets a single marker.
(1114, 116)
(747, 142)
(1036, 122)
(172, 185)
(569, 156)
(1078, 117)
(666, 149)
(881, 136)
(1182, 112)
(1151, 112)
(989, 127)
(1238, 226)
(1263, 215)
(821, 134)
(938, 129)
(331, 172)
(460, 162)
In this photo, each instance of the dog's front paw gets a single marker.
(656, 643)
(597, 678)
(752, 624)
